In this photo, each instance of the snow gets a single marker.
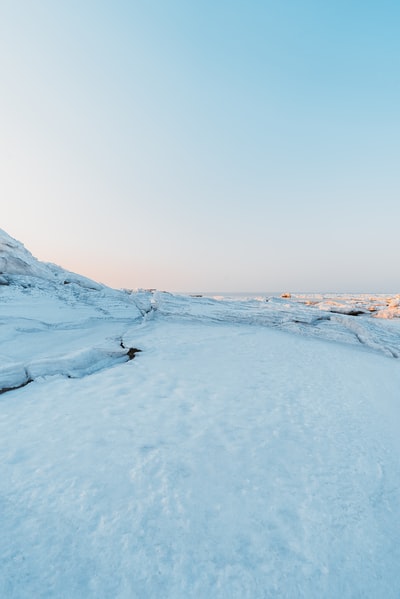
(49, 327)
(250, 450)
(15, 259)
(300, 314)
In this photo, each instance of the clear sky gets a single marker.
(236, 145)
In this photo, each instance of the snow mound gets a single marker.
(15, 259)
(57, 323)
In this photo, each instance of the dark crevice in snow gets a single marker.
(348, 312)
(145, 311)
(73, 367)
(132, 351)
(23, 384)
(310, 322)
(6, 389)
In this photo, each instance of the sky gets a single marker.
(227, 145)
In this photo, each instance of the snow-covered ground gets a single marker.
(250, 450)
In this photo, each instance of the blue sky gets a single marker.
(214, 145)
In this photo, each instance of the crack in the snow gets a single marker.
(73, 368)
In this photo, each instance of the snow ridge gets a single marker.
(292, 315)
(54, 322)
(15, 259)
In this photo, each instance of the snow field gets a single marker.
(224, 461)
(251, 449)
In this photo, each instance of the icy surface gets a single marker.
(15, 259)
(309, 315)
(54, 322)
(251, 450)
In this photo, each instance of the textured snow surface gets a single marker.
(306, 315)
(15, 259)
(224, 461)
(251, 450)
(50, 328)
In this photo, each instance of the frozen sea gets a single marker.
(249, 450)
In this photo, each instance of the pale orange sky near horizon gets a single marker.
(237, 146)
